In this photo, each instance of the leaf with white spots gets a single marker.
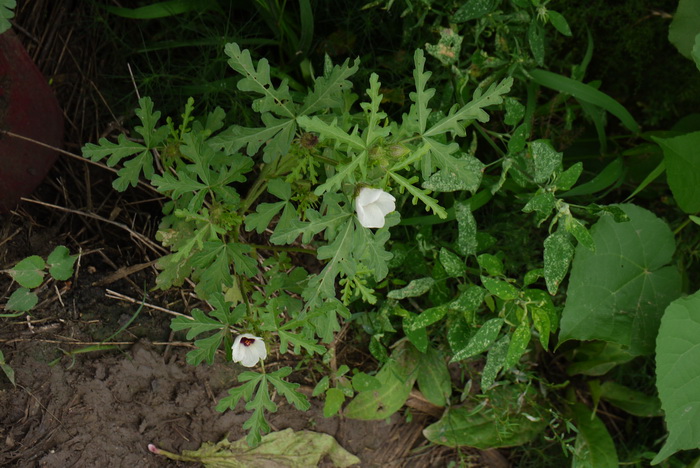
(481, 341)
(495, 360)
(500, 288)
(466, 228)
(558, 252)
(415, 288)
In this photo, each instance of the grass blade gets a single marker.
(584, 92)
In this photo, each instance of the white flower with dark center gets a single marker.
(248, 350)
(372, 205)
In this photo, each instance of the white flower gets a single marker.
(248, 350)
(372, 205)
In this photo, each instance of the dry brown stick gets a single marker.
(155, 247)
(123, 273)
(73, 155)
(115, 295)
(96, 343)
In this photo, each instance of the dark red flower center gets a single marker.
(247, 341)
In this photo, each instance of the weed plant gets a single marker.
(464, 195)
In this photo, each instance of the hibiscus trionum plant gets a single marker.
(327, 177)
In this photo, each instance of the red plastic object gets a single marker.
(29, 108)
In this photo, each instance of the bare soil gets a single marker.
(102, 408)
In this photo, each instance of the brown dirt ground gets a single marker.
(102, 408)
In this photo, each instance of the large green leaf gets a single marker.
(594, 447)
(618, 292)
(506, 420)
(682, 162)
(685, 26)
(678, 374)
(396, 378)
(434, 377)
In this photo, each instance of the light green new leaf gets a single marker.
(29, 272)
(683, 169)
(21, 300)
(334, 401)
(396, 377)
(618, 293)
(594, 447)
(678, 374)
(502, 422)
(286, 448)
(61, 263)
(558, 252)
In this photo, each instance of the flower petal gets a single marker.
(386, 203)
(248, 352)
(369, 195)
(371, 217)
